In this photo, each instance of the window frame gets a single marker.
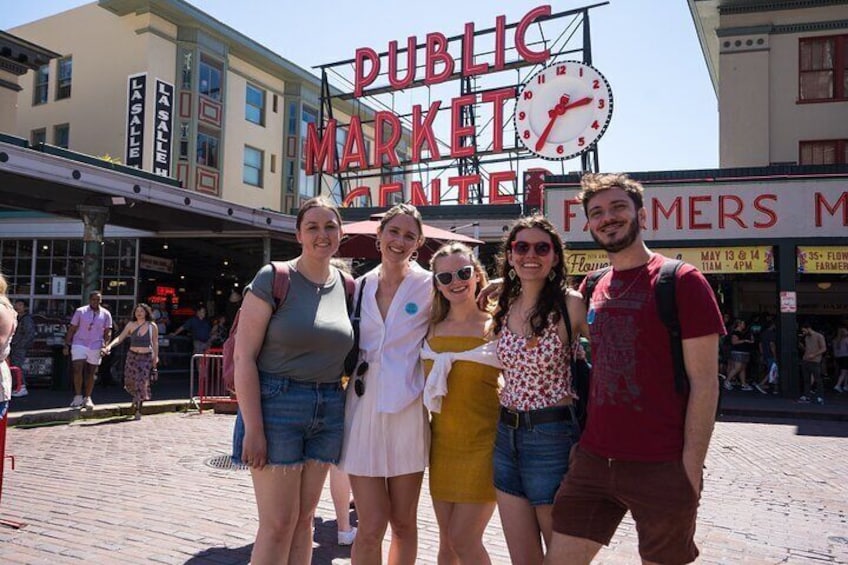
(204, 161)
(250, 166)
(41, 89)
(838, 70)
(67, 129)
(839, 146)
(258, 110)
(63, 84)
(208, 63)
(37, 132)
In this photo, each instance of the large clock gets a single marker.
(563, 110)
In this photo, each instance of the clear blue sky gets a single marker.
(665, 108)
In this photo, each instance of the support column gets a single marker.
(266, 249)
(94, 219)
(788, 323)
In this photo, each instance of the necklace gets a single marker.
(642, 271)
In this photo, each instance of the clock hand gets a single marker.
(553, 113)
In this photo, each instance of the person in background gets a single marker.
(741, 345)
(199, 328)
(340, 493)
(142, 358)
(387, 432)
(288, 372)
(811, 364)
(91, 327)
(538, 423)
(219, 332)
(840, 354)
(645, 442)
(21, 342)
(768, 354)
(462, 393)
(8, 323)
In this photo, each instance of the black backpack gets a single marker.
(667, 310)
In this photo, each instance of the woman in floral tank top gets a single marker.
(537, 424)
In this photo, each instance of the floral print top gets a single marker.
(536, 369)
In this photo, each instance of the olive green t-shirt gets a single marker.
(310, 334)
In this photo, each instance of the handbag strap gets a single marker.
(358, 309)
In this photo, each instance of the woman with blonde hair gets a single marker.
(8, 323)
(462, 395)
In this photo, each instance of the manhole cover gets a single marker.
(224, 462)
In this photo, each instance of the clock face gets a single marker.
(563, 110)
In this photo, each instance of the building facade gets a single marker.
(161, 85)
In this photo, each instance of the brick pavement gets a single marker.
(117, 491)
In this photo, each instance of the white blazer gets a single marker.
(391, 348)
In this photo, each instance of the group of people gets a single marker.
(425, 392)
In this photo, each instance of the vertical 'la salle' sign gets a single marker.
(163, 128)
(136, 91)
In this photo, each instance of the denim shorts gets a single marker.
(531, 462)
(302, 421)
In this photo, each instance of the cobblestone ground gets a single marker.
(116, 491)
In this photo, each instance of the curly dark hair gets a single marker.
(552, 299)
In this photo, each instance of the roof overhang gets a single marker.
(36, 180)
(705, 16)
(18, 55)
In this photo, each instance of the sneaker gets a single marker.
(137, 415)
(759, 388)
(346, 538)
(837, 388)
(77, 401)
(819, 400)
(21, 392)
(728, 385)
(747, 388)
(804, 399)
(88, 404)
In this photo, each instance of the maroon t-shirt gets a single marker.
(634, 411)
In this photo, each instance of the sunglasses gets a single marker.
(358, 380)
(446, 277)
(541, 248)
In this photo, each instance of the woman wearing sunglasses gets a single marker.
(537, 424)
(387, 434)
(462, 394)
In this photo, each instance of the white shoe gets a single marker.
(346, 538)
(20, 392)
(88, 404)
(837, 388)
(77, 401)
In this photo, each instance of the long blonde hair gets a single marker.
(441, 306)
(4, 286)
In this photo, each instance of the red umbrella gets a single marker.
(361, 236)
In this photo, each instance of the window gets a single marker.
(823, 68)
(254, 107)
(61, 135)
(184, 133)
(42, 80)
(38, 136)
(307, 185)
(63, 85)
(207, 149)
(210, 78)
(252, 166)
(832, 152)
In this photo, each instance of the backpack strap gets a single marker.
(667, 310)
(592, 281)
(281, 282)
(350, 289)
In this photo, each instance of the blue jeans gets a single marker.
(302, 421)
(531, 462)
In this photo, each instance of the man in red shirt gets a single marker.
(644, 445)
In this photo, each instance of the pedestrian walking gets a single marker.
(811, 364)
(21, 342)
(644, 445)
(200, 329)
(140, 367)
(91, 327)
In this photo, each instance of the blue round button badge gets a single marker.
(411, 308)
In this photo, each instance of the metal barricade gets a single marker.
(206, 378)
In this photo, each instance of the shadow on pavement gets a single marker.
(813, 428)
(222, 556)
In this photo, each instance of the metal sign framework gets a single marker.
(566, 34)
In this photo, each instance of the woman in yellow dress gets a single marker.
(461, 392)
